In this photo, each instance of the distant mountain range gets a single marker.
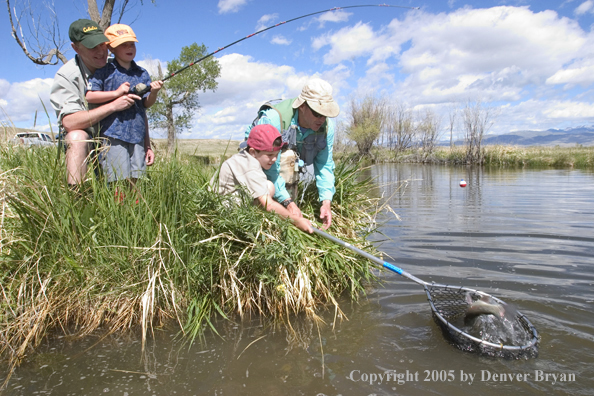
(583, 135)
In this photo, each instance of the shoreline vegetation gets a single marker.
(579, 157)
(78, 262)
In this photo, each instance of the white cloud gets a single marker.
(244, 86)
(501, 55)
(581, 73)
(280, 40)
(493, 53)
(534, 114)
(568, 110)
(579, 70)
(265, 21)
(226, 6)
(21, 100)
(351, 42)
(585, 7)
(333, 16)
(152, 66)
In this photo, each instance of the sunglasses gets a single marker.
(315, 113)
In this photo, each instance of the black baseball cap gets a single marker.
(86, 32)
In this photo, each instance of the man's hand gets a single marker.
(303, 224)
(294, 209)
(326, 214)
(149, 157)
(124, 102)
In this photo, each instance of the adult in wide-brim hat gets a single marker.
(317, 94)
(306, 124)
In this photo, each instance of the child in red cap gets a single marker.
(243, 172)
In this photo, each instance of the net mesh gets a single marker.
(514, 337)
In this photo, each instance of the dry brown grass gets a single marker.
(211, 149)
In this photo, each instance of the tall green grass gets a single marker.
(172, 252)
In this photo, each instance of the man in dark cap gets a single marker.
(76, 119)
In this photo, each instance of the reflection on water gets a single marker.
(526, 237)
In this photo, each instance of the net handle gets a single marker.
(371, 257)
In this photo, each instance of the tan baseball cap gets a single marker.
(119, 33)
(318, 95)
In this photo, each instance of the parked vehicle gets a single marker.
(60, 141)
(34, 139)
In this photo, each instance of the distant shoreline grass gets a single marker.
(503, 156)
(76, 262)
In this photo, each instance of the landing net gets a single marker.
(511, 337)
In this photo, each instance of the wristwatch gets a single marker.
(287, 202)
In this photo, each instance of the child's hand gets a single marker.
(149, 156)
(156, 86)
(123, 89)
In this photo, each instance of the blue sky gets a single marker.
(531, 60)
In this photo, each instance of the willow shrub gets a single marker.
(79, 261)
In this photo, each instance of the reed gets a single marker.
(78, 262)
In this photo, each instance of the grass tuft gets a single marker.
(81, 261)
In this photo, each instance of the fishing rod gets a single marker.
(141, 89)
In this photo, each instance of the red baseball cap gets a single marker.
(262, 138)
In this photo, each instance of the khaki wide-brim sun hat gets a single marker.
(318, 95)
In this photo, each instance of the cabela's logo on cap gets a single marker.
(122, 32)
(87, 29)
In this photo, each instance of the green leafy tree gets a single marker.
(178, 99)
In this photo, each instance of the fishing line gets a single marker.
(142, 90)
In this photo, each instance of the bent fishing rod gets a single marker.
(141, 89)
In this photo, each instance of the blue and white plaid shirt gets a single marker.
(127, 125)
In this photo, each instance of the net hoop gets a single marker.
(473, 343)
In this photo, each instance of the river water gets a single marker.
(524, 236)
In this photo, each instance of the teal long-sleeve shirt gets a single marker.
(323, 162)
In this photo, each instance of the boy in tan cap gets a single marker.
(126, 131)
